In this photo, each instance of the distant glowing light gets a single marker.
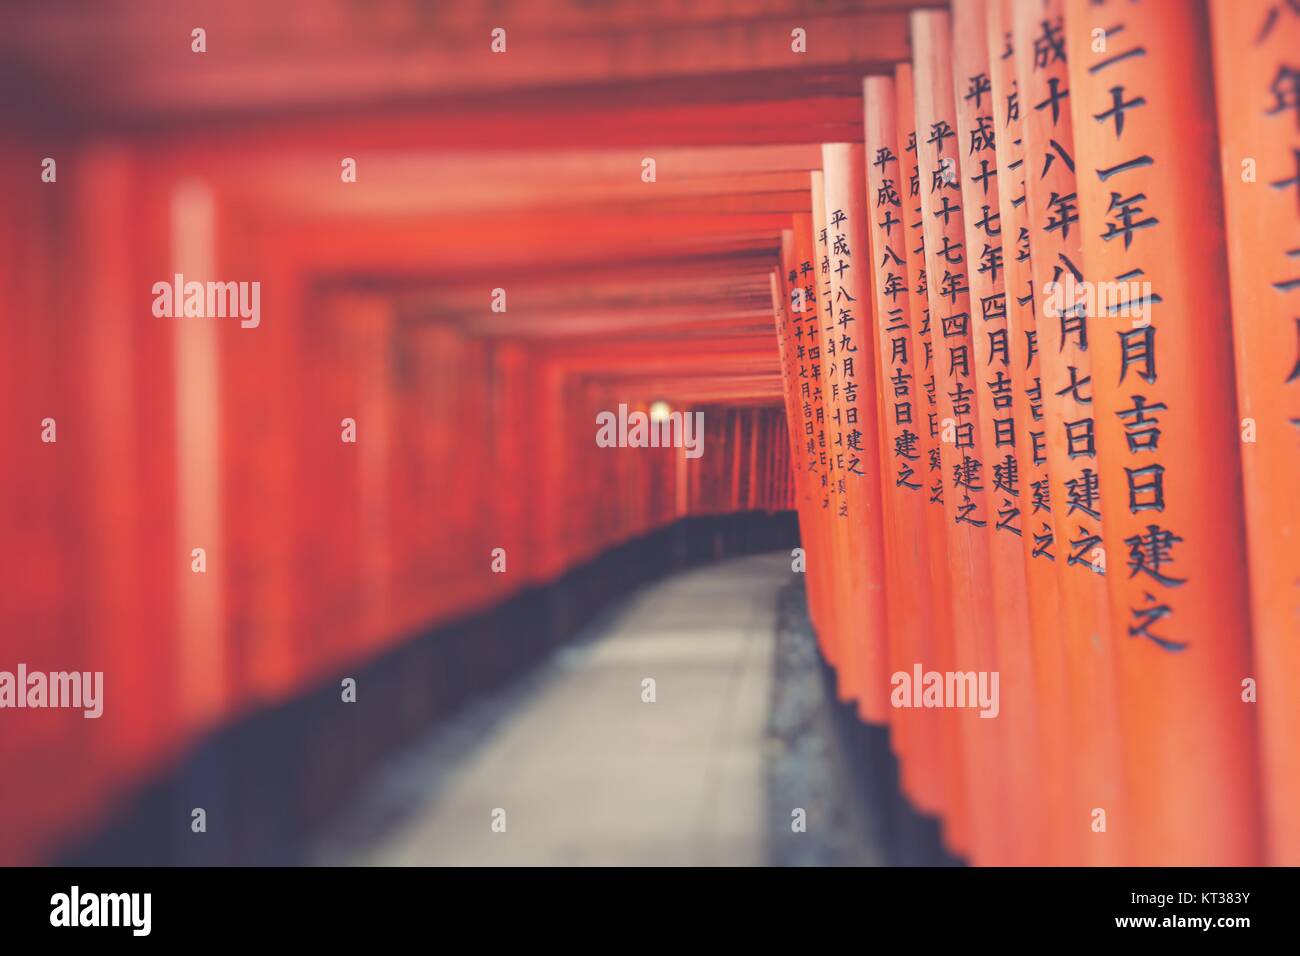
(659, 411)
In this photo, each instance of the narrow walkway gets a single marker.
(584, 769)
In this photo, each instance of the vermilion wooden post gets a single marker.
(850, 353)
(772, 475)
(470, 409)
(1066, 388)
(803, 310)
(735, 467)
(745, 458)
(739, 468)
(752, 488)
(104, 190)
(957, 800)
(510, 490)
(848, 661)
(770, 478)
(1167, 428)
(202, 665)
(963, 450)
(56, 615)
(440, 360)
(770, 490)
(993, 397)
(1048, 652)
(803, 443)
(750, 467)
(786, 463)
(804, 313)
(14, 430)
(786, 348)
(779, 464)
(372, 330)
(271, 642)
(902, 422)
(1255, 46)
(776, 464)
(759, 484)
(550, 478)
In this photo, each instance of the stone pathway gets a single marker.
(587, 772)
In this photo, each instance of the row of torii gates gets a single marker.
(1090, 494)
(1034, 387)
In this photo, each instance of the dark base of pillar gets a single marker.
(841, 771)
(907, 836)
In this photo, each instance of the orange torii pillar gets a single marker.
(124, 627)
(754, 487)
(204, 674)
(1073, 533)
(790, 350)
(1049, 662)
(738, 431)
(961, 444)
(1167, 429)
(802, 299)
(804, 318)
(782, 317)
(991, 348)
(903, 418)
(1255, 46)
(956, 800)
(850, 350)
(849, 663)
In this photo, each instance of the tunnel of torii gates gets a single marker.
(841, 256)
